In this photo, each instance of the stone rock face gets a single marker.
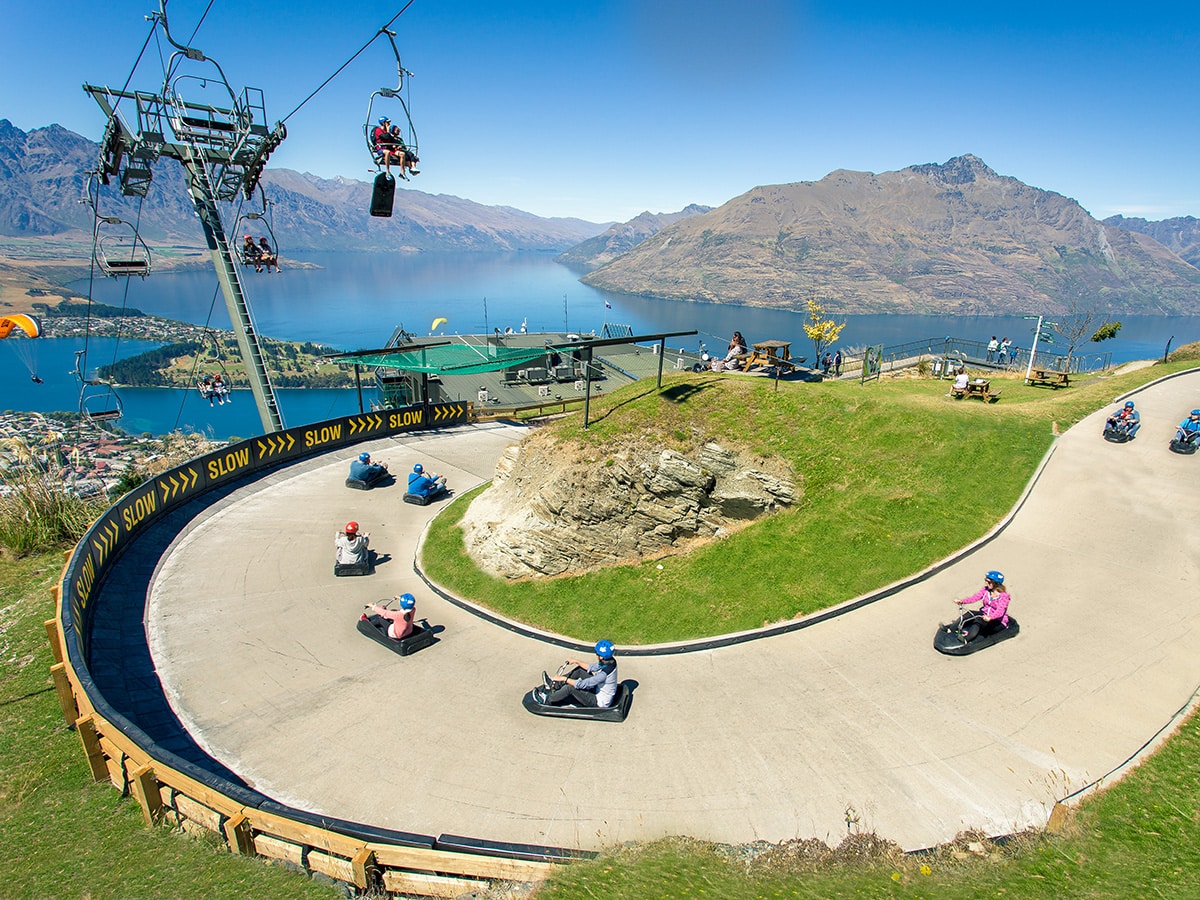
(555, 508)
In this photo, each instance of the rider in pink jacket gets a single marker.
(994, 613)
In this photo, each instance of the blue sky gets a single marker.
(604, 109)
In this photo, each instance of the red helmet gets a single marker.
(351, 528)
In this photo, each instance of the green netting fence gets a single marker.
(455, 359)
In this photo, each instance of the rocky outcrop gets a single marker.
(555, 508)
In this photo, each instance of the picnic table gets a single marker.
(980, 388)
(1051, 377)
(770, 353)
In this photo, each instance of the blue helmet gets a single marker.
(364, 456)
(418, 468)
(1129, 404)
(1194, 412)
(994, 576)
(407, 601)
(383, 119)
(604, 649)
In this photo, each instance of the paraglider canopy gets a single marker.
(440, 320)
(17, 331)
(23, 323)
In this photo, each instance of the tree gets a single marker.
(822, 332)
(1084, 322)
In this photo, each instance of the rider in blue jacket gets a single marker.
(594, 685)
(1189, 428)
(425, 484)
(363, 469)
(1126, 419)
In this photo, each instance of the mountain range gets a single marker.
(949, 238)
(43, 178)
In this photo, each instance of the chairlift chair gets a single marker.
(98, 400)
(400, 109)
(121, 251)
(242, 225)
(215, 386)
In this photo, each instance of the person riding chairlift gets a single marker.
(267, 255)
(251, 255)
(389, 148)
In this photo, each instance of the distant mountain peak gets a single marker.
(623, 236)
(963, 169)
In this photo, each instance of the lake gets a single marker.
(356, 299)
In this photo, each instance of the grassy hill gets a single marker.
(885, 494)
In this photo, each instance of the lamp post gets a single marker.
(1038, 334)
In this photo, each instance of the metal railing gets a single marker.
(975, 353)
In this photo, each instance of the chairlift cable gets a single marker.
(196, 361)
(360, 51)
(125, 297)
(136, 63)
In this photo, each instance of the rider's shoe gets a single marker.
(546, 682)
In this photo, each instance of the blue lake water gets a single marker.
(355, 300)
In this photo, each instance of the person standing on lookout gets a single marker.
(992, 346)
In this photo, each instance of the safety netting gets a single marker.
(455, 359)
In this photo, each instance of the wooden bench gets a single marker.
(1051, 377)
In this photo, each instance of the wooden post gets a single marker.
(85, 726)
(144, 786)
(239, 835)
(52, 635)
(362, 863)
(1060, 818)
(66, 697)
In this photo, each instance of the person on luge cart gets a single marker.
(352, 547)
(1189, 429)
(362, 469)
(992, 616)
(1126, 420)
(584, 685)
(425, 484)
(400, 621)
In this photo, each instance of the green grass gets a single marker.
(895, 476)
(1139, 838)
(63, 835)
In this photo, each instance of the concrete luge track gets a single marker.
(255, 643)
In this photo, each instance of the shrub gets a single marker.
(36, 513)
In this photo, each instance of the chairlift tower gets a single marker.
(223, 148)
